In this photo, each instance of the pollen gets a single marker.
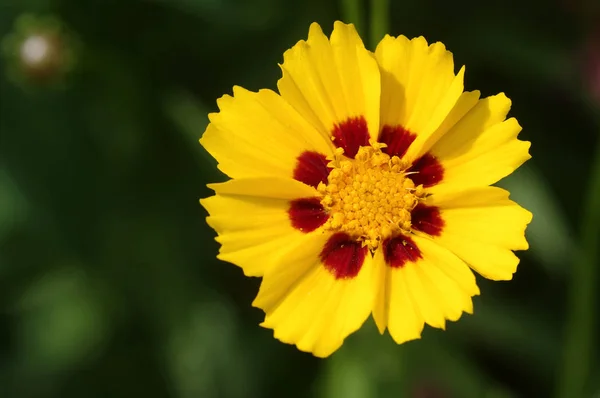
(369, 197)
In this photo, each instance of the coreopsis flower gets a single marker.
(363, 187)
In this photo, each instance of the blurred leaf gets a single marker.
(189, 114)
(365, 366)
(515, 332)
(233, 14)
(521, 51)
(13, 205)
(348, 376)
(550, 239)
(62, 324)
(204, 355)
(445, 362)
(498, 393)
(29, 5)
(191, 118)
(109, 171)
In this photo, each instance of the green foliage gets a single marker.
(109, 285)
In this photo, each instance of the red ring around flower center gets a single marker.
(343, 256)
(350, 135)
(311, 168)
(400, 250)
(307, 214)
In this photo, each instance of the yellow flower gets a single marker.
(363, 188)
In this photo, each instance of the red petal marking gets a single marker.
(427, 219)
(400, 250)
(343, 256)
(428, 171)
(397, 138)
(307, 214)
(311, 168)
(351, 135)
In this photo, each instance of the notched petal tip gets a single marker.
(204, 202)
(512, 120)
(315, 29)
(296, 51)
(210, 137)
(381, 327)
(341, 29)
(441, 46)
(524, 244)
(222, 102)
(405, 338)
(420, 41)
(503, 278)
(529, 216)
(507, 273)
(501, 96)
(309, 346)
(343, 25)
(212, 116)
(526, 147)
(214, 186)
(239, 90)
(386, 40)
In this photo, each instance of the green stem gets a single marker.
(379, 24)
(579, 345)
(352, 13)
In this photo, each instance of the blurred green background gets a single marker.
(109, 285)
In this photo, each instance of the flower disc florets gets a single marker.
(369, 197)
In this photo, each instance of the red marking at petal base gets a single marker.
(311, 168)
(397, 138)
(307, 214)
(343, 256)
(351, 135)
(400, 250)
(428, 171)
(427, 219)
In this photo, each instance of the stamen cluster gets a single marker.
(369, 197)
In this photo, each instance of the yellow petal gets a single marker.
(451, 282)
(252, 221)
(330, 81)
(259, 134)
(437, 287)
(481, 148)
(307, 306)
(482, 227)
(419, 88)
(276, 188)
(395, 308)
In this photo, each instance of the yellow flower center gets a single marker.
(369, 197)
